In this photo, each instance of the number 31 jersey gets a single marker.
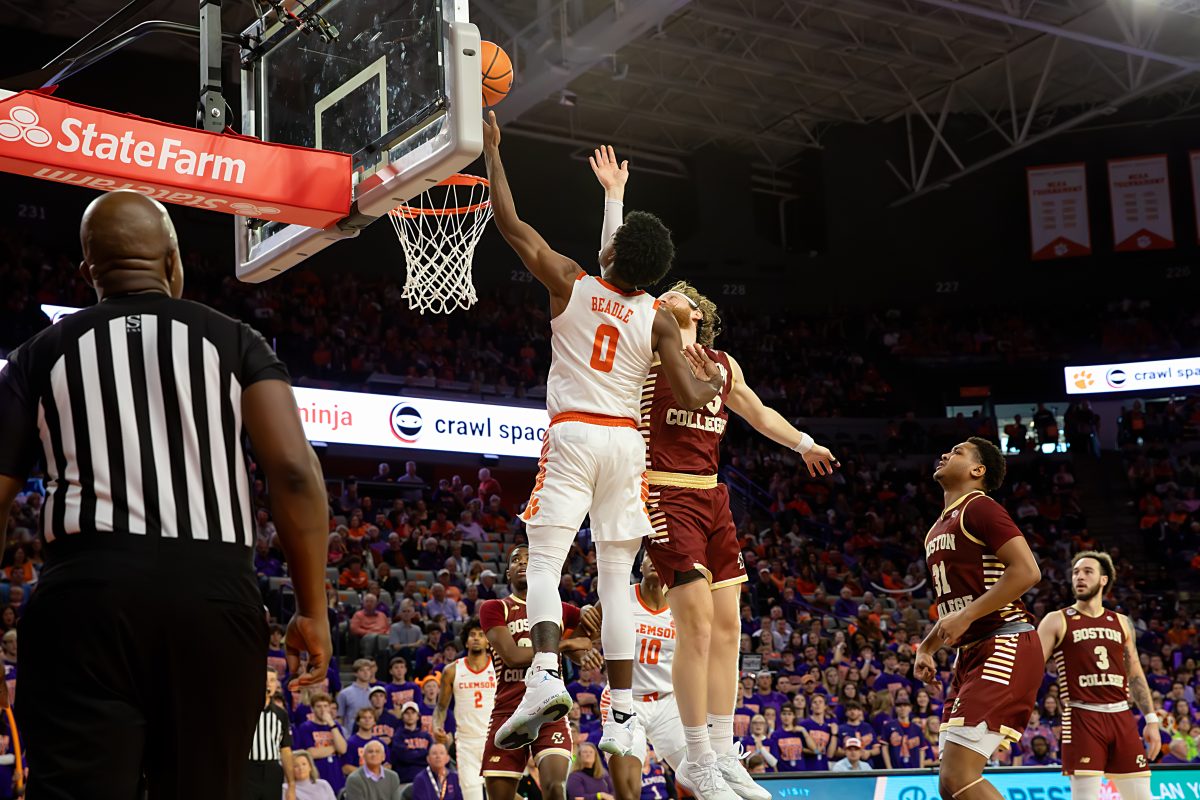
(654, 647)
(601, 351)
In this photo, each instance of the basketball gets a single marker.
(497, 73)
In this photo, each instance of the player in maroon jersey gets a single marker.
(1096, 658)
(981, 565)
(507, 627)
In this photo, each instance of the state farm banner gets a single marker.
(1058, 211)
(53, 139)
(1141, 204)
(1194, 160)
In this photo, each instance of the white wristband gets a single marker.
(806, 444)
(1151, 719)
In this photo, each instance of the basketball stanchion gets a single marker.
(438, 231)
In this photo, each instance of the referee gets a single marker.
(270, 747)
(147, 621)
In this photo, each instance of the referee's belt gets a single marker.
(683, 480)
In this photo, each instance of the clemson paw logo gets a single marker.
(1083, 379)
(22, 123)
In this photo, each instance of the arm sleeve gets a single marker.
(18, 418)
(570, 617)
(614, 213)
(286, 740)
(491, 615)
(987, 521)
(259, 362)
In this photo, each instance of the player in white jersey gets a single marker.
(605, 332)
(653, 694)
(471, 682)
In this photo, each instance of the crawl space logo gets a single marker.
(406, 422)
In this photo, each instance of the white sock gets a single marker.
(1133, 788)
(544, 661)
(697, 742)
(622, 703)
(720, 732)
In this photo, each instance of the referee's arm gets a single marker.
(300, 511)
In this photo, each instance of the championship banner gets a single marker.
(1058, 211)
(53, 139)
(1141, 204)
(1194, 160)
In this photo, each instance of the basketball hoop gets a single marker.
(438, 231)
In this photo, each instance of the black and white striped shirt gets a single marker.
(272, 733)
(134, 406)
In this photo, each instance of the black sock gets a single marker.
(620, 716)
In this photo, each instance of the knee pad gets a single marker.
(614, 567)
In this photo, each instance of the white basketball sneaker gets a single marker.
(623, 738)
(546, 700)
(703, 778)
(738, 779)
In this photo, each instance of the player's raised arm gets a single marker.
(683, 366)
(554, 270)
(612, 177)
(1050, 631)
(1139, 692)
(745, 402)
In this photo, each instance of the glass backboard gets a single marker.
(399, 90)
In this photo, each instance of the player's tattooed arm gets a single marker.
(1139, 688)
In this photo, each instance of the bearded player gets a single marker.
(652, 691)
(471, 683)
(694, 544)
(981, 565)
(1096, 659)
(604, 332)
(507, 626)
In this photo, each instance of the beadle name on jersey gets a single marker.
(613, 308)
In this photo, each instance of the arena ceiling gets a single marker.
(777, 78)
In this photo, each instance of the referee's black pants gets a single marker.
(141, 668)
(264, 781)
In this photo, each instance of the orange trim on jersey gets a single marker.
(581, 275)
(657, 303)
(637, 591)
(480, 672)
(593, 419)
(618, 290)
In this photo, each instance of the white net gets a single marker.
(438, 231)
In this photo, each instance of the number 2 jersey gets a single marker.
(512, 613)
(1090, 660)
(961, 550)
(601, 351)
(474, 696)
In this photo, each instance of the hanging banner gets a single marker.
(1058, 211)
(1141, 204)
(1194, 159)
(56, 140)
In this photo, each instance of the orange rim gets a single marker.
(458, 179)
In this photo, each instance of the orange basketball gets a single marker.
(497, 72)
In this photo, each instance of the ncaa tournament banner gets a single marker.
(1134, 376)
(1058, 211)
(1140, 191)
(419, 423)
(1194, 161)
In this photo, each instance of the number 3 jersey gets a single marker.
(1090, 660)
(679, 440)
(961, 550)
(601, 351)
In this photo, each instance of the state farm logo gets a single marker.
(406, 422)
(251, 210)
(22, 123)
